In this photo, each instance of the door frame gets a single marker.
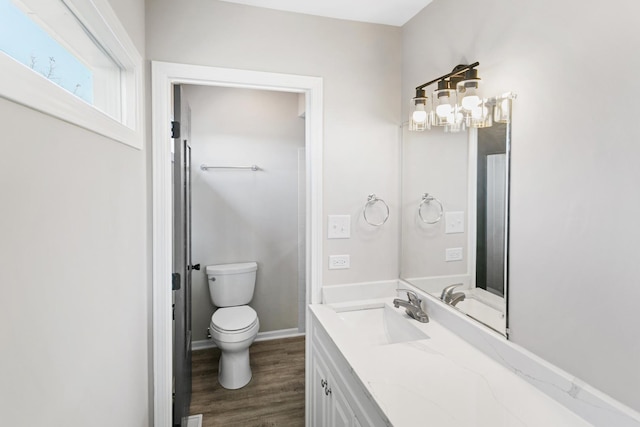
(164, 75)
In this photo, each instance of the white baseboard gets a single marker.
(194, 421)
(282, 333)
(262, 336)
(202, 345)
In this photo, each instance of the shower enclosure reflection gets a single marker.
(491, 208)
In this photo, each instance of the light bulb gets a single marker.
(443, 110)
(419, 115)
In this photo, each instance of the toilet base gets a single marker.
(234, 371)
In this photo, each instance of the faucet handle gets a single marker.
(411, 296)
(446, 292)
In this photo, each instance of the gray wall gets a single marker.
(360, 64)
(74, 308)
(243, 215)
(574, 258)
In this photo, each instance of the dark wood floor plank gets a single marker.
(273, 398)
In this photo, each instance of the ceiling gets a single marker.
(389, 12)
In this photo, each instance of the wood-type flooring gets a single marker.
(273, 398)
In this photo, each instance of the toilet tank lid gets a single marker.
(237, 268)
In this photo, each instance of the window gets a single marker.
(24, 40)
(72, 59)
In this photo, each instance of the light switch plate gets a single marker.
(454, 222)
(339, 227)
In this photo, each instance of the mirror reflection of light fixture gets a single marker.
(502, 110)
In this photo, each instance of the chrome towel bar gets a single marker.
(252, 167)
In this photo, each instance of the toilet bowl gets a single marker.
(234, 325)
(233, 330)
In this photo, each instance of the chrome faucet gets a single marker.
(412, 307)
(450, 297)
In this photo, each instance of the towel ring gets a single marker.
(372, 200)
(427, 198)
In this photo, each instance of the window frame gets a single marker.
(24, 86)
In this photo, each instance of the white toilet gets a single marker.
(234, 325)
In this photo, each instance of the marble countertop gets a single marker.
(441, 381)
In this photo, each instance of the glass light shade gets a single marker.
(444, 107)
(420, 114)
(456, 121)
(469, 94)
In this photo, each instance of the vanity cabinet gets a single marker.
(330, 407)
(337, 399)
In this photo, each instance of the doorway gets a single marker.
(164, 77)
(248, 200)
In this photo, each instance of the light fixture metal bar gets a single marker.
(455, 72)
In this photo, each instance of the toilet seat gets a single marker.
(242, 323)
(234, 319)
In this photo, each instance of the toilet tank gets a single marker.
(231, 284)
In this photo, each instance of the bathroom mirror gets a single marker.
(458, 235)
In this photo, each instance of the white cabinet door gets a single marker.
(341, 413)
(319, 401)
(329, 405)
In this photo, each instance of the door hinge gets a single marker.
(175, 130)
(175, 281)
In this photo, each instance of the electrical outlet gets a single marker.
(337, 262)
(453, 254)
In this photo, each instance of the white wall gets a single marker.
(73, 315)
(573, 257)
(360, 65)
(242, 215)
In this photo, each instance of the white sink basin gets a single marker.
(380, 325)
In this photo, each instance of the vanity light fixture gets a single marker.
(456, 104)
